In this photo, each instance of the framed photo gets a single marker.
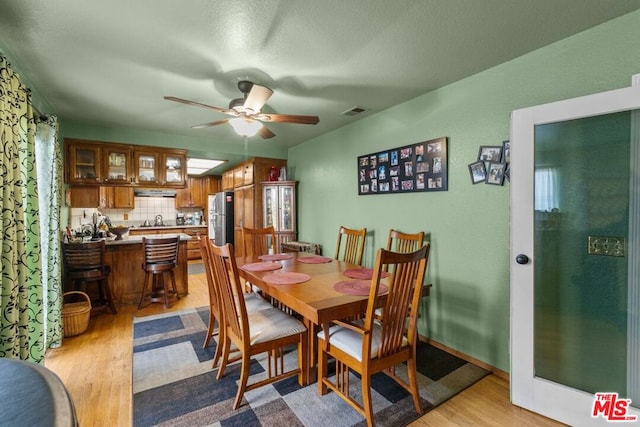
(490, 153)
(416, 167)
(495, 173)
(477, 172)
(506, 152)
(507, 173)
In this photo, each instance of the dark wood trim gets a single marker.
(498, 372)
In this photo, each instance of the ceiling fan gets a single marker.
(247, 112)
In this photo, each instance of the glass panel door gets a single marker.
(270, 206)
(173, 169)
(575, 246)
(146, 168)
(117, 165)
(286, 211)
(580, 274)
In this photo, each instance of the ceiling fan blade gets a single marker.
(206, 125)
(257, 98)
(266, 133)
(288, 118)
(197, 104)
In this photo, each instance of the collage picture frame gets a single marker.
(491, 165)
(419, 167)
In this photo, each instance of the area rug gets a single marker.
(174, 385)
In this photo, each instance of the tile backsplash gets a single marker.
(146, 208)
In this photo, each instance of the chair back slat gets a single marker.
(350, 245)
(406, 276)
(259, 241)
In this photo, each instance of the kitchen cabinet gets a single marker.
(248, 179)
(196, 192)
(117, 164)
(279, 210)
(165, 168)
(84, 196)
(112, 197)
(83, 163)
(227, 180)
(95, 162)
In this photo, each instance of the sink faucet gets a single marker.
(158, 221)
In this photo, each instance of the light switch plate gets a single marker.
(607, 246)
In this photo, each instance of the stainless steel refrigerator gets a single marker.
(221, 217)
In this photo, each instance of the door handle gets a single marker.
(522, 259)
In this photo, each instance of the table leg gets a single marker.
(312, 353)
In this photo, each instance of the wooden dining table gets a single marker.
(315, 300)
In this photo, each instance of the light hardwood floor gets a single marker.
(96, 368)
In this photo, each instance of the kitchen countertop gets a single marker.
(165, 226)
(132, 240)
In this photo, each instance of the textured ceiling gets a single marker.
(110, 63)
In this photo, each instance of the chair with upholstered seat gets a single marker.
(253, 302)
(160, 260)
(266, 331)
(259, 241)
(350, 246)
(377, 345)
(404, 242)
(85, 263)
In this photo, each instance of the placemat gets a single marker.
(358, 287)
(275, 257)
(285, 278)
(362, 273)
(315, 259)
(261, 266)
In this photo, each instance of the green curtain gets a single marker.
(22, 311)
(49, 173)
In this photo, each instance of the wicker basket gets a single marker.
(75, 315)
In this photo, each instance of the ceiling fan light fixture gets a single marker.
(245, 127)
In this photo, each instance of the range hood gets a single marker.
(151, 192)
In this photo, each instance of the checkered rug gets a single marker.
(174, 385)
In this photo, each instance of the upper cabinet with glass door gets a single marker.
(174, 170)
(117, 164)
(83, 163)
(165, 168)
(95, 162)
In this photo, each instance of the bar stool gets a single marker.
(160, 259)
(84, 263)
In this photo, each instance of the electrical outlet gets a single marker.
(606, 245)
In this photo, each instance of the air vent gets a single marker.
(353, 111)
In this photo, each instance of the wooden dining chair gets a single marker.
(253, 302)
(404, 242)
(259, 241)
(350, 246)
(377, 345)
(267, 331)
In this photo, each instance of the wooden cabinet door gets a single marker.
(211, 186)
(85, 197)
(123, 198)
(248, 174)
(145, 167)
(238, 176)
(227, 180)
(249, 207)
(117, 164)
(173, 168)
(83, 163)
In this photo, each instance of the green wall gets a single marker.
(469, 265)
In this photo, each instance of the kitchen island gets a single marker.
(127, 276)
